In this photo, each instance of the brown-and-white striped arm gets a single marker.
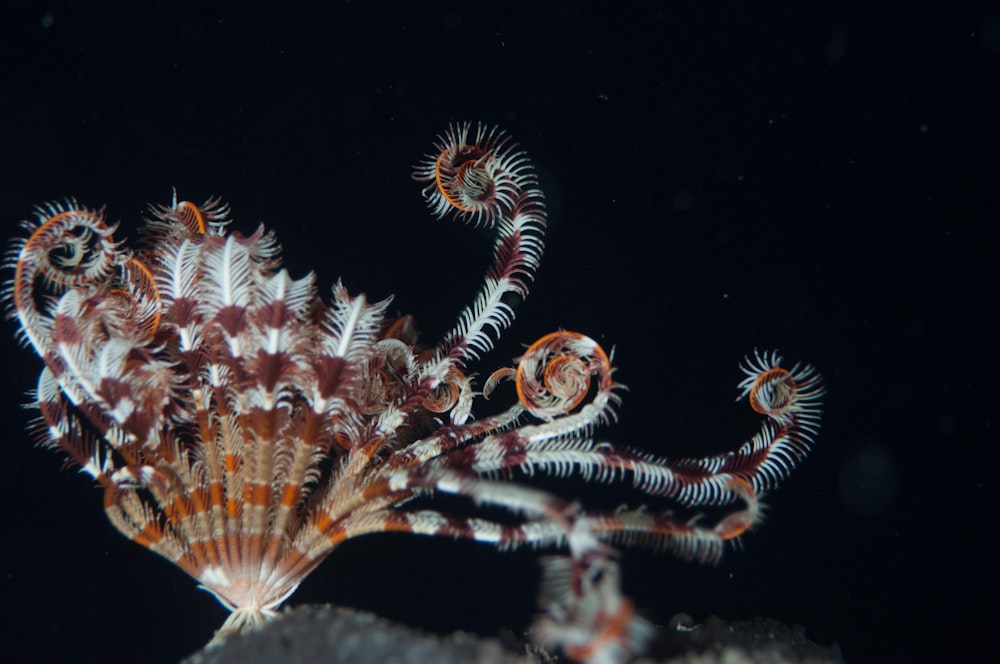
(482, 178)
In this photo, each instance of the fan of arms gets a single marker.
(242, 427)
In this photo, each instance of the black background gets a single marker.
(816, 178)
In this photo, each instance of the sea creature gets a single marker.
(242, 427)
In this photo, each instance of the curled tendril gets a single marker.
(70, 247)
(477, 176)
(773, 392)
(554, 375)
(453, 394)
(186, 219)
(777, 392)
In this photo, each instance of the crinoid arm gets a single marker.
(481, 177)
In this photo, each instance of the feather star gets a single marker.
(242, 428)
